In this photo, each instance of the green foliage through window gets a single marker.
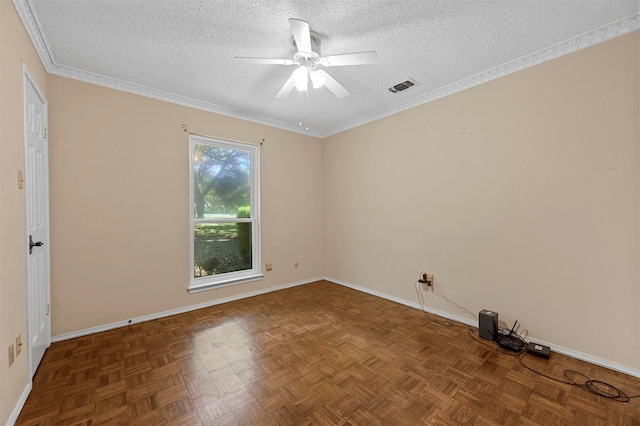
(221, 181)
(221, 196)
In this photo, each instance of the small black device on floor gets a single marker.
(511, 341)
(538, 350)
(488, 324)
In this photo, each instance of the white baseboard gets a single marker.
(559, 349)
(144, 318)
(18, 408)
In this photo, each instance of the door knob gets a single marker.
(32, 244)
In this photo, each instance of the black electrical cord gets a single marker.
(463, 309)
(597, 387)
(427, 314)
(422, 304)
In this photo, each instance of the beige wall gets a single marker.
(520, 195)
(15, 48)
(119, 176)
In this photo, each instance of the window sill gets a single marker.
(225, 283)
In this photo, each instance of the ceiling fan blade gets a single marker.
(335, 87)
(264, 61)
(286, 89)
(360, 58)
(301, 34)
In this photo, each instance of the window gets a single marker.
(225, 245)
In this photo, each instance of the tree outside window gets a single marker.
(223, 209)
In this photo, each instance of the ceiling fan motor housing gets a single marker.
(300, 57)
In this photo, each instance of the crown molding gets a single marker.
(615, 29)
(139, 89)
(33, 29)
(39, 42)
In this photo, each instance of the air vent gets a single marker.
(402, 86)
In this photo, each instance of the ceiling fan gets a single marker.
(308, 60)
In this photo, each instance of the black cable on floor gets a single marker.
(573, 377)
(581, 380)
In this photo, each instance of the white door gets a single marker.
(37, 218)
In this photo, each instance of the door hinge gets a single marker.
(45, 132)
(48, 308)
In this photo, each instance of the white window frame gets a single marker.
(229, 278)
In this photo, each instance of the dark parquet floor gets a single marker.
(317, 354)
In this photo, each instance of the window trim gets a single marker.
(230, 278)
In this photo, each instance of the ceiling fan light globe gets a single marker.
(317, 79)
(301, 86)
(301, 78)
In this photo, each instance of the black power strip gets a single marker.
(541, 351)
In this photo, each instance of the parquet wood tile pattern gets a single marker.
(317, 354)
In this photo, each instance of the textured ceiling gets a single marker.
(183, 50)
